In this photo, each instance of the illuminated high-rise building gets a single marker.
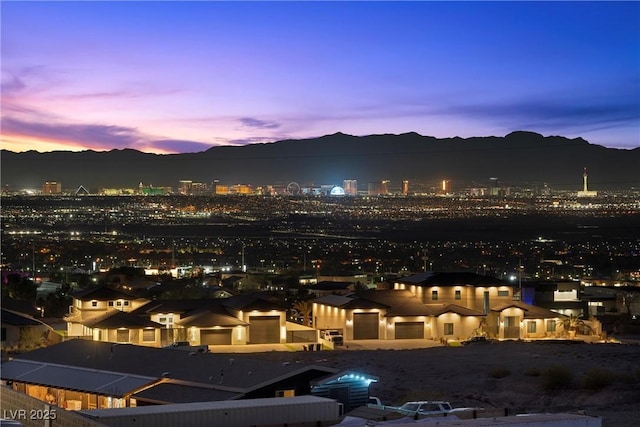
(350, 187)
(185, 187)
(52, 187)
(405, 187)
(445, 187)
(384, 187)
(378, 188)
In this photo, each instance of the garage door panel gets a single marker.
(409, 330)
(215, 337)
(365, 326)
(264, 329)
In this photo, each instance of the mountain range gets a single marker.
(519, 158)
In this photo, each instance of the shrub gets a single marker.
(499, 372)
(532, 372)
(597, 378)
(557, 377)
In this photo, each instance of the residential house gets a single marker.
(237, 320)
(21, 331)
(438, 306)
(92, 303)
(470, 290)
(325, 287)
(80, 374)
(393, 314)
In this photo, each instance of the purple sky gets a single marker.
(183, 76)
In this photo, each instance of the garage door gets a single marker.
(365, 326)
(409, 330)
(264, 329)
(215, 337)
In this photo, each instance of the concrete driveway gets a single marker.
(348, 345)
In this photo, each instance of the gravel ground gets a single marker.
(604, 379)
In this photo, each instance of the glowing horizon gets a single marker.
(174, 77)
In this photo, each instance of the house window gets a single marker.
(503, 293)
(148, 335)
(551, 325)
(110, 303)
(531, 327)
(434, 295)
(126, 303)
(94, 303)
(119, 303)
(458, 294)
(448, 328)
(122, 335)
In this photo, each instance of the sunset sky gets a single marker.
(170, 77)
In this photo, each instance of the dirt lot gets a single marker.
(597, 379)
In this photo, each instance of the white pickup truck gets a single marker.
(334, 336)
(421, 408)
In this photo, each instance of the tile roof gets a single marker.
(102, 293)
(458, 309)
(119, 319)
(530, 311)
(451, 279)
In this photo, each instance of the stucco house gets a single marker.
(437, 306)
(89, 305)
(104, 314)
(393, 314)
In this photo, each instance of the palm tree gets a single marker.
(305, 308)
(571, 324)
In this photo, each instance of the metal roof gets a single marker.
(167, 392)
(274, 402)
(73, 378)
(15, 318)
(239, 372)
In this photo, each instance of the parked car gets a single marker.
(430, 408)
(334, 336)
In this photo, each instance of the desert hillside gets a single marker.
(597, 379)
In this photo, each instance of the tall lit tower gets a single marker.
(585, 189)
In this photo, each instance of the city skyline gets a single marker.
(101, 76)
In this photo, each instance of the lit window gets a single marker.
(458, 294)
(551, 325)
(531, 327)
(434, 295)
(448, 328)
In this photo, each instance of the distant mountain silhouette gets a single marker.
(518, 158)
